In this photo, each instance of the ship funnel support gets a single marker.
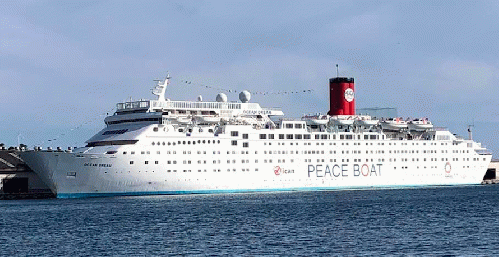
(341, 96)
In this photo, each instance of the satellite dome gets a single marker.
(244, 96)
(221, 97)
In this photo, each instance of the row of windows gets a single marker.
(246, 144)
(134, 120)
(215, 170)
(316, 136)
(296, 126)
(297, 152)
(310, 160)
(323, 136)
(295, 136)
(115, 132)
(187, 142)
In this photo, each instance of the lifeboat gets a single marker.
(336, 121)
(366, 122)
(394, 124)
(420, 124)
(184, 120)
(316, 120)
(207, 119)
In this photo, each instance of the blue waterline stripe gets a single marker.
(222, 191)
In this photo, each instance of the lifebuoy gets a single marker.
(448, 168)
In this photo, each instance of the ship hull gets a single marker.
(71, 175)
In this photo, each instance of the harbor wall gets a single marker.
(18, 181)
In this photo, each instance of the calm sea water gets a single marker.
(430, 221)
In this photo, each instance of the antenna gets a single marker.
(337, 71)
(470, 132)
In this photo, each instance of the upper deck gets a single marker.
(159, 105)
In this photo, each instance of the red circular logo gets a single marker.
(277, 170)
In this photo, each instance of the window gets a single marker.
(234, 133)
(245, 136)
(306, 136)
(289, 126)
(271, 136)
(297, 126)
(263, 136)
(281, 136)
(245, 144)
(289, 136)
(234, 142)
(298, 136)
(115, 132)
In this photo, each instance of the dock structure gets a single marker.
(18, 181)
(491, 176)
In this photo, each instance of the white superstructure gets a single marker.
(175, 147)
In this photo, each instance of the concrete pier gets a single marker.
(18, 181)
(491, 176)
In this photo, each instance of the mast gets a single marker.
(160, 88)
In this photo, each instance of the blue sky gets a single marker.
(65, 64)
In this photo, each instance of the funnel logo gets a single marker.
(349, 95)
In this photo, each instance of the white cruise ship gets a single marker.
(182, 147)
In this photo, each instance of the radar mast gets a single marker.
(160, 88)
